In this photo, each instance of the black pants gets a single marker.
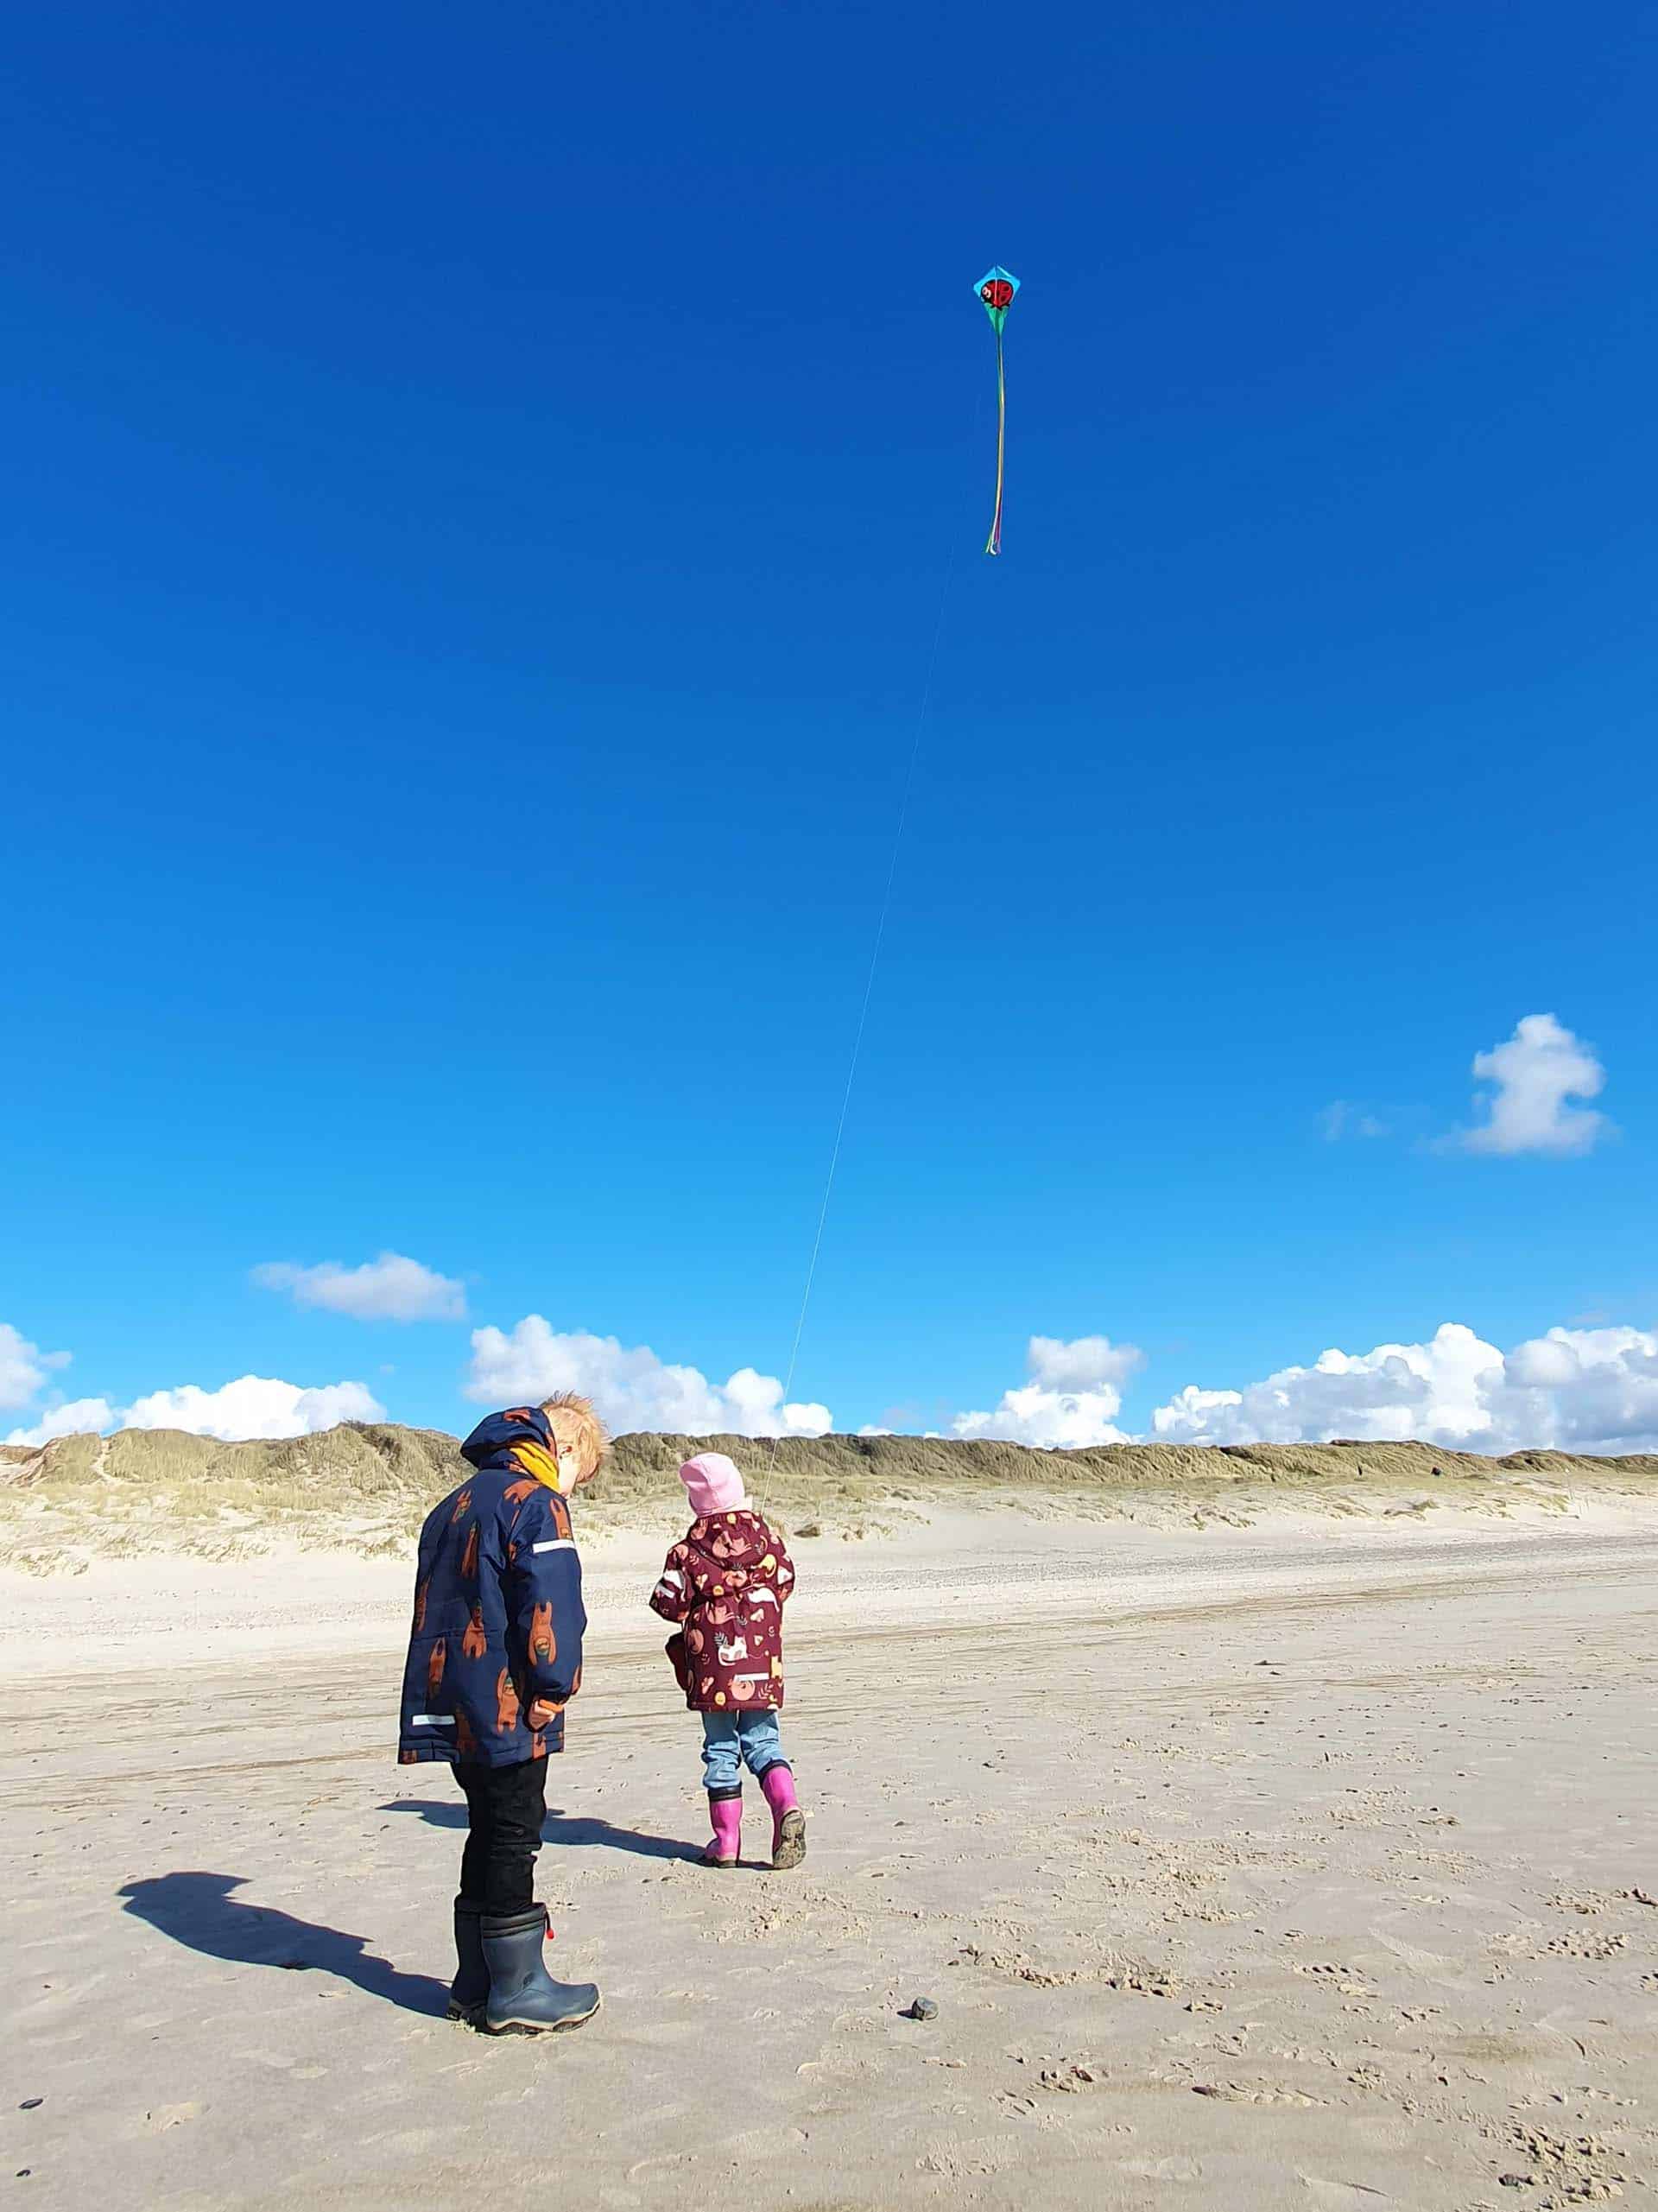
(505, 1807)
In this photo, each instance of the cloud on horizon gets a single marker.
(77, 1416)
(631, 1387)
(254, 1405)
(1071, 1399)
(391, 1287)
(1573, 1389)
(251, 1406)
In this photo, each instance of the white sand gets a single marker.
(1291, 1866)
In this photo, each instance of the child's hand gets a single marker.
(539, 1713)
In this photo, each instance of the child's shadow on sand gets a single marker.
(559, 1827)
(198, 1910)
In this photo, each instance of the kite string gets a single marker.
(993, 544)
(869, 990)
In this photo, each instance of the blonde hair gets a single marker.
(575, 1423)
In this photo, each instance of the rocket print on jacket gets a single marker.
(727, 1580)
(499, 1621)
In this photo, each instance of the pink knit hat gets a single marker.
(713, 1484)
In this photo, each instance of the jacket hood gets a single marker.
(737, 1539)
(496, 1434)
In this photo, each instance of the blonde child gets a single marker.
(494, 1658)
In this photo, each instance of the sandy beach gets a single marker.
(1299, 1864)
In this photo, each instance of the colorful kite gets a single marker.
(996, 288)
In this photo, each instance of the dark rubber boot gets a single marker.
(469, 1991)
(525, 1999)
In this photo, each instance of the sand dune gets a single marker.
(363, 1487)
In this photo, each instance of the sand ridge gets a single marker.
(364, 1487)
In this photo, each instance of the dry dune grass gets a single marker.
(365, 1486)
(934, 1459)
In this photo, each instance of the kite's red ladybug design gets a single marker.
(996, 288)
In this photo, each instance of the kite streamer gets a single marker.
(996, 288)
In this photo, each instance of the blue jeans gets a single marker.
(733, 1740)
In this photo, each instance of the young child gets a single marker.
(727, 1582)
(494, 1658)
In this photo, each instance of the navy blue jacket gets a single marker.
(498, 1617)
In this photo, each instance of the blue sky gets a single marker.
(479, 489)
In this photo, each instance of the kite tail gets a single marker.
(993, 544)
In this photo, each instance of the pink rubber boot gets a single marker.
(788, 1821)
(726, 1814)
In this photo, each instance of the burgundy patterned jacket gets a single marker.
(727, 1581)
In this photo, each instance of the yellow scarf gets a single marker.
(534, 1458)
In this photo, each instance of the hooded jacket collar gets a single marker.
(738, 1538)
(520, 1440)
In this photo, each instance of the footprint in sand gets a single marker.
(1429, 1964)
(1173, 2168)
(971, 2159)
(1258, 2093)
(762, 2142)
(161, 2118)
(1338, 2193)
(1573, 1946)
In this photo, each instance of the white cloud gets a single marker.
(390, 1288)
(631, 1387)
(253, 1405)
(1582, 1390)
(1572, 1390)
(1397, 1391)
(23, 1365)
(1072, 1400)
(78, 1418)
(1541, 1068)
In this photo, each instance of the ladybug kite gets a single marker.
(996, 288)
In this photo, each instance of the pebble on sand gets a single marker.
(921, 2008)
